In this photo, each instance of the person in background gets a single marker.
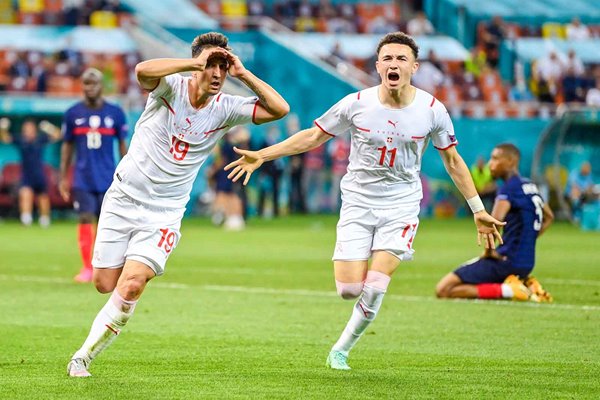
(90, 128)
(339, 151)
(419, 25)
(576, 30)
(33, 179)
(271, 175)
(296, 168)
(580, 189)
(484, 182)
(229, 203)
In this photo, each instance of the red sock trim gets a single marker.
(86, 238)
(489, 290)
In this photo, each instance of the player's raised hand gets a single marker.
(63, 188)
(209, 52)
(487, 229)
(249, 162)
(236, 68)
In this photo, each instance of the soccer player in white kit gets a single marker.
(141, 213)
(390, 126)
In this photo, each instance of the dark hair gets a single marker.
(400, 38)
(510, 149)
(210, 39)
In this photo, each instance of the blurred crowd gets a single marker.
(58, 73)
(98, 13)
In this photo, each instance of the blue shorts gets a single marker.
(222, 183)
(488, 270)
(87, 202)
(37, 184)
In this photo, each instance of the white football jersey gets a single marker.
(387, 145)
(172, 140)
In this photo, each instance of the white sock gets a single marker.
(44, 221)
(364, 311)
(26, 219)
(106, 327)
(507, 292)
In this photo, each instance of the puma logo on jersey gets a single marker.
(392, 123)
(79, 121)
(189, 124)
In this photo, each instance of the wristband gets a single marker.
(476, 204)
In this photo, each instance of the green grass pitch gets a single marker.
(253, 314)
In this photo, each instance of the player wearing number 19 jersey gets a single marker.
(90, 129)
(141, 214)
(390, 127)
(494, 274)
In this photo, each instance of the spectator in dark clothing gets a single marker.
(33, 178)
(271, 172)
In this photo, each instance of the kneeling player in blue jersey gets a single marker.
(504, 272)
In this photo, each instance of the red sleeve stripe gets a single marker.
(447, 147)
(321, 128)
(432, 101)
(417, 137)
(363, 129)
(254, 111)
(218, 97)
(215, 130)
(168, 105)
(358, 96)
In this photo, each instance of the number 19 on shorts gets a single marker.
(167, 240)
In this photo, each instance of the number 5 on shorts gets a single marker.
(167, 240)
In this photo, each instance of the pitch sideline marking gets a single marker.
(303, 292)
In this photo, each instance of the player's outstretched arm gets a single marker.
(250, 161)
(149, 73)
(4, 134)
(459, 172)
(547, 218)
(66, 155)
(271, 106)
(53, 131)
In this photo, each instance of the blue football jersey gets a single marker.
(94, 133)
(523, 221)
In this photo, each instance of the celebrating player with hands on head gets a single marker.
(139, 224)
(390, 126)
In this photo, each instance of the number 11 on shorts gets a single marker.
(167, 239)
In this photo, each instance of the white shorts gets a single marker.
(130, 230)
(360, 231)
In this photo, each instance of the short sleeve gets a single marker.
(442, 133)
(338, 119)
(165, 86)
(504, 192)
(240, 110)
(67, 126)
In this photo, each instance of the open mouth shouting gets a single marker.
(393, 76)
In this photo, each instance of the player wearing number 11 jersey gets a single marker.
(90, 129)
(141, 214)
(390, 126)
